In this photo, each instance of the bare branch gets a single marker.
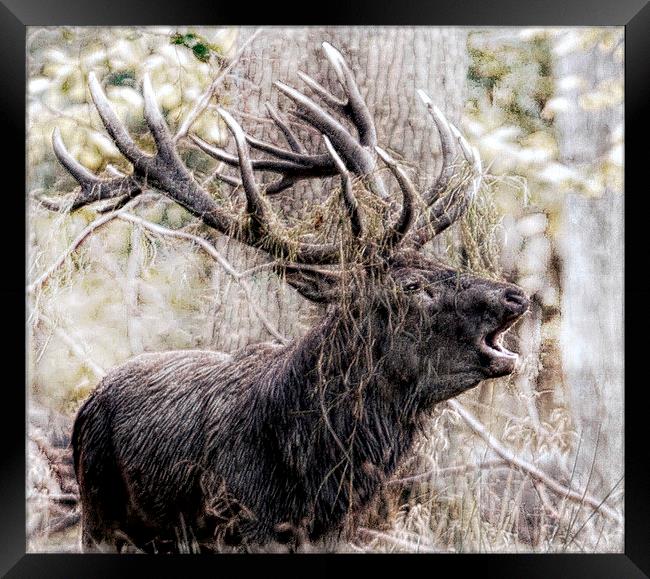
(85, 232)
(451, 470)
(77, 349)
(214, 254)
(204, 100)
(525, 466)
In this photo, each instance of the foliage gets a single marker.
(200, 47)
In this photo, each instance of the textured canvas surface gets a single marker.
(531, 462)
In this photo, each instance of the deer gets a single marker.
(286, 444)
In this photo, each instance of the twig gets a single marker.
(65, 522)
(620, 480)
(131, 289)
(396, 541)
(61, 114)
(260, 267)
(256, 88)
(564, 503)
(460, 469)
(594, 511)
(509, 415)
(541, 491)
(525, 466)
(591, 472)
(164, 231)
(204, 244)
(207, 95)
(76, 348)
(212, 252)
(31, 288)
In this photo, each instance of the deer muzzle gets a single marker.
(499, 360)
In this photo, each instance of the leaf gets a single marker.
(184, 39)
(201, 49)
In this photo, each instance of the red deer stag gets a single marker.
(280, 442)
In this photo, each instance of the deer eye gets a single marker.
(412, 287)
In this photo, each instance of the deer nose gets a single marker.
(515, 300)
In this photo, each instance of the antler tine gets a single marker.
(296, 164)
(359, 112)
(448, 146)
(355, 156)
(220, 154)
(257, 206)
(332, 102)
(357, 153)
(297, 154)
(317, 285)
(155, 121)
(228, 179)
(255, 203)
(299, 158)
(114, 126)
(402, 225)
(92, 187)
(353, 104)
(349, 200)
(292, 140)
(76, 169)
(312, 165)
(445, 211)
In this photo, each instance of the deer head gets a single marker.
(428, 323)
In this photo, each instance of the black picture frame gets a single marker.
(15, 15)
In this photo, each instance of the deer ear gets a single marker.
(317, 286)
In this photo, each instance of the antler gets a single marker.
(166, 172)
(296, 164)
(346, 156)
(441, 212)
(358, 157)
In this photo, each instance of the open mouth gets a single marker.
(492, 343)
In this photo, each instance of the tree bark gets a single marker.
(591, 246)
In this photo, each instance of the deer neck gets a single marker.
(348, 412)
(352, 355)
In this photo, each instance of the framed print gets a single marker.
(326, 294)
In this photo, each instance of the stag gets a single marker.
(285, 443)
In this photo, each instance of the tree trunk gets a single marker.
(389, 65)
(592, 270)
